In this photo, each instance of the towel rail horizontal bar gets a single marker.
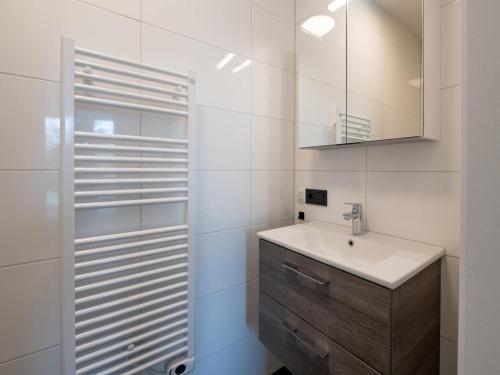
(125, 343)
(125, 332)
(104, 56)
(93, 193)
(125, 353)
(131, 319)
(131, 288)
(134, 276)
(127, 159)
(137, 233)
(144, 356)
(119, 258)
(127, 310)
(161, 359)
(129, 73)
(112, 181)
(124, 94)
(125, 137)
(101, 147)
(139, 86)
(130, 170)
(128, 267)
(132, 202)
(343, 114)
(130, 245)
(115, 103)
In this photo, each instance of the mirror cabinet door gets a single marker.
(384, 70)
(321, 85)
(359, 72)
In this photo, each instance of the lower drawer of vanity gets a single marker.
(303, 349)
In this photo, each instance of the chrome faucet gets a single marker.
(357, 217)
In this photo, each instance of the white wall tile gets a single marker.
(273, 39)
(223, 200)
(90, 27)
(222, 260)
(221, 320)
(29, 216)
(30, 139)
(449, 354)
(339, 159)
(215, 87)
(272, 143)
(272, 196)
(263, 362)
(450, 44)
(272, 92)
(30, 34)
(30, 316)
(282, 8)
(45, 362)
(222, 133)
(342, 187)
(223, 23)
(449, 298)
(305, 7)
(129, 8)
(232, 360)
(442, 155)
(417, 206)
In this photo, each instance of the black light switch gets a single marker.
(317, 197)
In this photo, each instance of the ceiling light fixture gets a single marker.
(337, 4)
(318, 25)
(225, 60)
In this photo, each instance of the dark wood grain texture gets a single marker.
(353, 312)
(416, 324)
(299, 355)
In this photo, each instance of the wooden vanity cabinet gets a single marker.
(318, 319)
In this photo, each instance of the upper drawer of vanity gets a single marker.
(353, 312)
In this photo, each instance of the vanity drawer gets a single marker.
(353, 312)
(303, 349)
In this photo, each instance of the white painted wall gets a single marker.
(479, 276)
(408, 190)
(245, 149)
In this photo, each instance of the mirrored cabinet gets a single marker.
(362, 76)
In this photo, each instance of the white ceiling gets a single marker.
(407, 12)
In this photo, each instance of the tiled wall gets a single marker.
(245, 158)
(408, 190)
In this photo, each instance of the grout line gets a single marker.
(274, 14)
(113, 11)
(448, 339)
(450, 86)
(243, 170)
(29, 354)
(226, 289)
(30, 170)
(245, 113)
(29, 77)
(30, 262)
(227, 347)
(250, 226)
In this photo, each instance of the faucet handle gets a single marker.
(357, 208)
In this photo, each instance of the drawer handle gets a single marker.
(293, 332)
(314, 279)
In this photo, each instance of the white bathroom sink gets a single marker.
(384, 260)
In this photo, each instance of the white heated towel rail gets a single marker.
(352, 129)
(128, 208)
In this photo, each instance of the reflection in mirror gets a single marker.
(383, 70)
(321, 66)
(359, 72)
